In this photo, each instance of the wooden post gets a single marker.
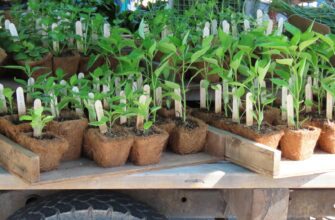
(269, 28)
(308, 97)
(3, 105)
(123, 100)
(202, 95)
(21, 105)
(218, 99)
(75, 91)
(246, 25)
(107, 31)
(249, 110)
(177, 104)
(105, 91)
(225, 26)
(284, 103)
(236, 113)
(259, 18)
(55, 44)
(214, 27)
(280, 26)
(100, 114)
(158, 96)
(140, 118)
(290, 111)
(329, 108)
(79, 32)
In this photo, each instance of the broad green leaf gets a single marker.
(287, 62)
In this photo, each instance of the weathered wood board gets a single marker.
(265, 160)
(25, 164)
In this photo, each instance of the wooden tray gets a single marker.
(25, 164)
(265, 160)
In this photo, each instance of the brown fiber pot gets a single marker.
(269, 137)
(299, 144)
(188, 141)
(167, 125)
(72, 131)
(49, 150)
(11, 126)
(69, 64)
(272, 115)
(326, 140)
(45, 64)
(224, 124)
(83, 62)
(203, 115)
(166, 113)
(148, 150)
(108, 151)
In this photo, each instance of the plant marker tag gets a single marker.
(37, 104)
(208, 25)
(214, 27)
(158, 96)
(100, 114)
(107, 30)
(79, 32)
(316, 82)
(123, 100)
(134, 87)
(225, 91)
(280, 26)
(205, 32)
(259, 18)
(308, 96)
(3, 106)
(55, 44)
(117, 86)
(202, 95)
(329, 109)
(236, 114)
(146, 90)
(7, 22)
(13, 31)
(53, 105)
(105, 90)
(81, 76)
(290, 111)
(140, 119)
(269, 28)
(75, 91)
(21, 105)
(218, 99)
(249, 110)
(91, 100)
(246, 25)
(30, 84)
(284, 103)
(140, 81)
(309, 80)
(177, 104)
(165, 32)
(225, 26)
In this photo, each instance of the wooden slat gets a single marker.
(254, 156)
(19, 161)
(304, 23)
(215, 143)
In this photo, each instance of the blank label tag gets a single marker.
(123, 100)
(55, 44)
(100, 114)
(140, 119)
(21, 105)
(79, 32)
(226, 27)
(177, 104)
(246, 25)
(3, 105)
(107, 30)
(214, 27)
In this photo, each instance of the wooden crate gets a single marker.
(25, 164)
(265, 160)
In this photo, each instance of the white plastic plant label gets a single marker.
(79, 32)
(177, 104)
(21, 105)
(259, 18)
(123, 100)
(55, 44)
(218, 99)
(329, 108)
(37, 104)
(249, 110)
(246, 25)
(225, 27)
(158, 96)
(30, 89)
(105, 91)
(107, 30)
(7, 22)
(236, 104)
(203, 94)
(269, 28)
(3, 105)
(78, 110)
(140, 119)
(280, 26)
(13, 31)
(214, 27)
(290, 111)
(100, 114)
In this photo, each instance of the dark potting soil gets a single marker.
(115, 133)
(67, 53)
(43, 137)
(161, 120)
(16, 121)
(188, 124)
(265, 129)
(141, 133)
(70, 117)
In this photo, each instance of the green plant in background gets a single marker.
(145, 110)
(37, 120)
(8, 93)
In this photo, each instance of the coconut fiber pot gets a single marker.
(190, 138)
(68, 63)
(147, 149)
(83, 64)
(49, 148)
(45, 64)
(11, 126)
(106, 150)
(268, 135)
(326, 140)
(72, 129)
(299, 144)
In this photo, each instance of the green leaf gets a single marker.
(287, 62)
(172, 85)
(141, 29)
(211, 61)
(195, 56)
(307, 43)
(160, 69)
(147, 125)
(167, 47)
(280, 82)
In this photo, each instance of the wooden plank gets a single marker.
(215, 143)
(304, 23)
(86, 169)
(19, 161)
(249, 154)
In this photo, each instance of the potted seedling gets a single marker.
(190, 133)
(110, 144)
(46, 145)
(149, 140)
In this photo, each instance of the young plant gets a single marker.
(37, 120)
(8, 93)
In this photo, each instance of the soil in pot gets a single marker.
(68, 62)
(45, 64)
(166, 113)
(49, 148)
(299, 144)
(148, 147)
(71, 127)
(188, 137)
(111, 149)
(267, 135)
(203, 114)
(11, 126)
(166, 124)
(83, 64)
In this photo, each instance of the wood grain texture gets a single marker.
(19, 161)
